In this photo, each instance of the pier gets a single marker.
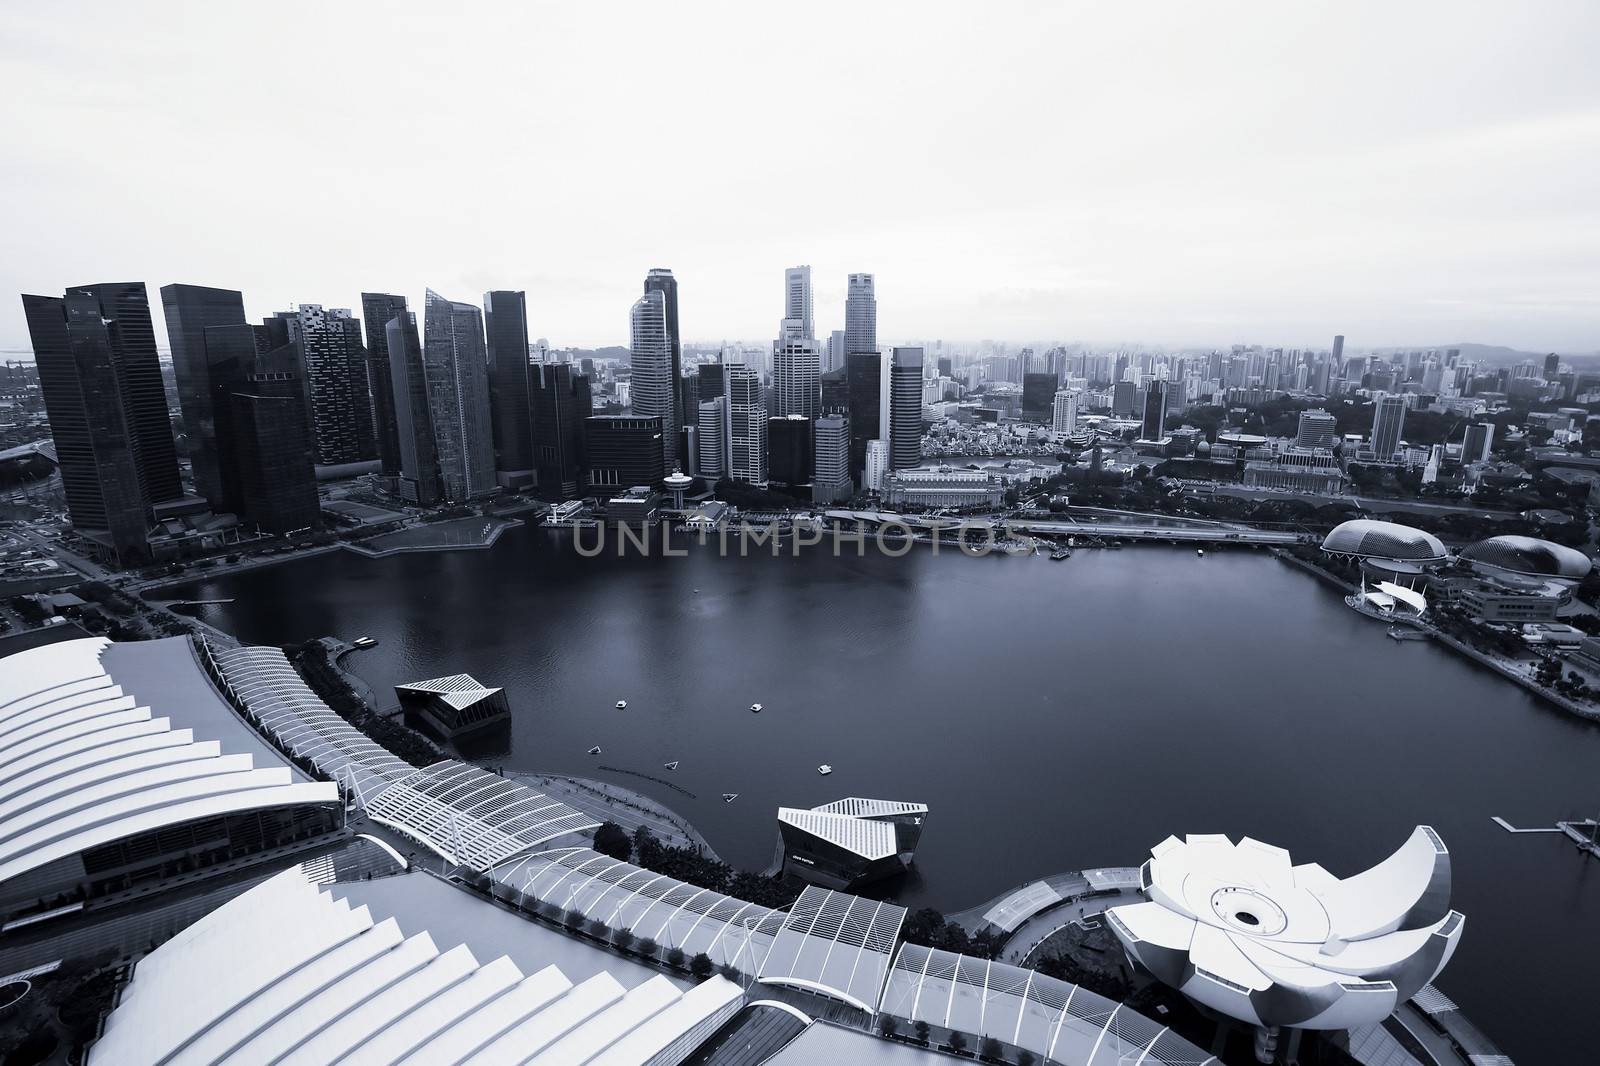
(1582, 832)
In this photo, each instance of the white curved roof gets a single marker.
(1239, 929)
(289, 972)
(99, 741)
(1372, 538)
(836, 945)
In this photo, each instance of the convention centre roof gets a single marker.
(836, 945)
(1529, 556)
(1374, 539)
(291, 972)
(1055, 1020)
(1240, 930)
(100, 741)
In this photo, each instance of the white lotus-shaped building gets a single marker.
(1240, 930)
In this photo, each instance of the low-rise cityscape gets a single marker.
(420, 678)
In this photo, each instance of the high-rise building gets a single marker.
(623, 451)
(1336, 356)
(559, 402)
(205, 377)
(747, 426)
(1476, 443)
(660, 280)
(711, 438)
(1038, 392)
(95, 353)
(835, 392)
(1064, 416)
(1155, 411)
(860, 316)
(505, 323)
(653, 388)
(797, 304)
(1122, 399)
(413, 417)
(877, 468)
(905, 408)
(335, 378)
(273, 458)
(1318, 429)
(458, 397)
(377, 310)
(836, 352)
(789, 449)
(830, 480)
(1388, 423)
(796, 373)
(1552, 367)
(231, 357)
(945, 367)
(864, 372)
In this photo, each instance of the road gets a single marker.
(1126, 531)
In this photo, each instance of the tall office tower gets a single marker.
(835, 390)
(860, 316)
(413, 417)
(622, 451)
(95, 355)
(877, 468)
(273, 457)
(1155, 411)
(1317, 429)
(230, 355)
(1552, 367)
(1388, 423)
(796, 374)
(905, 408)
(797, 304)
(335, 378)
(790, 450)
(830, 479)
(660, 280)
(458, 397)
(711, 438)
(864, 374)
(204, 376)
(944, 366)
(747, 427)
(1122, 397)
(559, 401)
(711, 381)
(1038, 391)
(1476, 443)
(1336, 356)
(836, 353)
(505, 321)
(653, 392)
(1064, 420)
(377, 309)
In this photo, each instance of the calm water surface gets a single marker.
(1054, 715)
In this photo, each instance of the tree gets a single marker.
(675, 958)
(610, 839)
(989, 1048)
(921, 1029)
(1025, 1058)
(573, 919)
(958, 1043)
(887, 1026)
(622, 938)
(647, 947)
(700, 966)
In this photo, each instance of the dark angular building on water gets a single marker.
(850, 842)
(454, 706)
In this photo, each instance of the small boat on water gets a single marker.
(755, 708)
(729, 797)
(1060, 554)
(622, 705)
(673, 765)
(1199, 551)
(824, 769)
(595, 750)
(364, 642)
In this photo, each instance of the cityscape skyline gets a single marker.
(1222, 180)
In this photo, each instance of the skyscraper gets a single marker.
(711, 438)
(660, 280)
(797, 304)
(1475, 445)
(905, 408)
(1552, 367)
(560, 402)
(1155, 411)
(505, 320)
(458, 397)
(1038, 392)
(835, 392)
(864, 373)
(377, 310)
(789, 449)
(623, 451)
(335, 379)
(1064, 413)
(654, 389)
(796, 377)
(860, 315)
(418, 454)
(273, 459)
(95, 353)
(747, 426)
(831, 481)
(836, 352)
(1317, 429)
(205, 378)
(1388, 423)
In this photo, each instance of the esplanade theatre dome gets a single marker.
(1369, 538)
(1528, 557)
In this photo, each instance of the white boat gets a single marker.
(1199, 551)
(755, 708)
(673, 765)
(729, 797)
(824, 769)
(364, 642)
(595, 750)
(622, 705)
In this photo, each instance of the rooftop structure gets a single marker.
(1241, 931)
(1370, 538)
(1527, 557)
(850, 841)
(835, 945)
(297, 972)
(118, 760)
(454, 705)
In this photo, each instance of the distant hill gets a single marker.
(1493, 354)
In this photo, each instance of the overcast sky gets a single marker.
(1184, 173)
